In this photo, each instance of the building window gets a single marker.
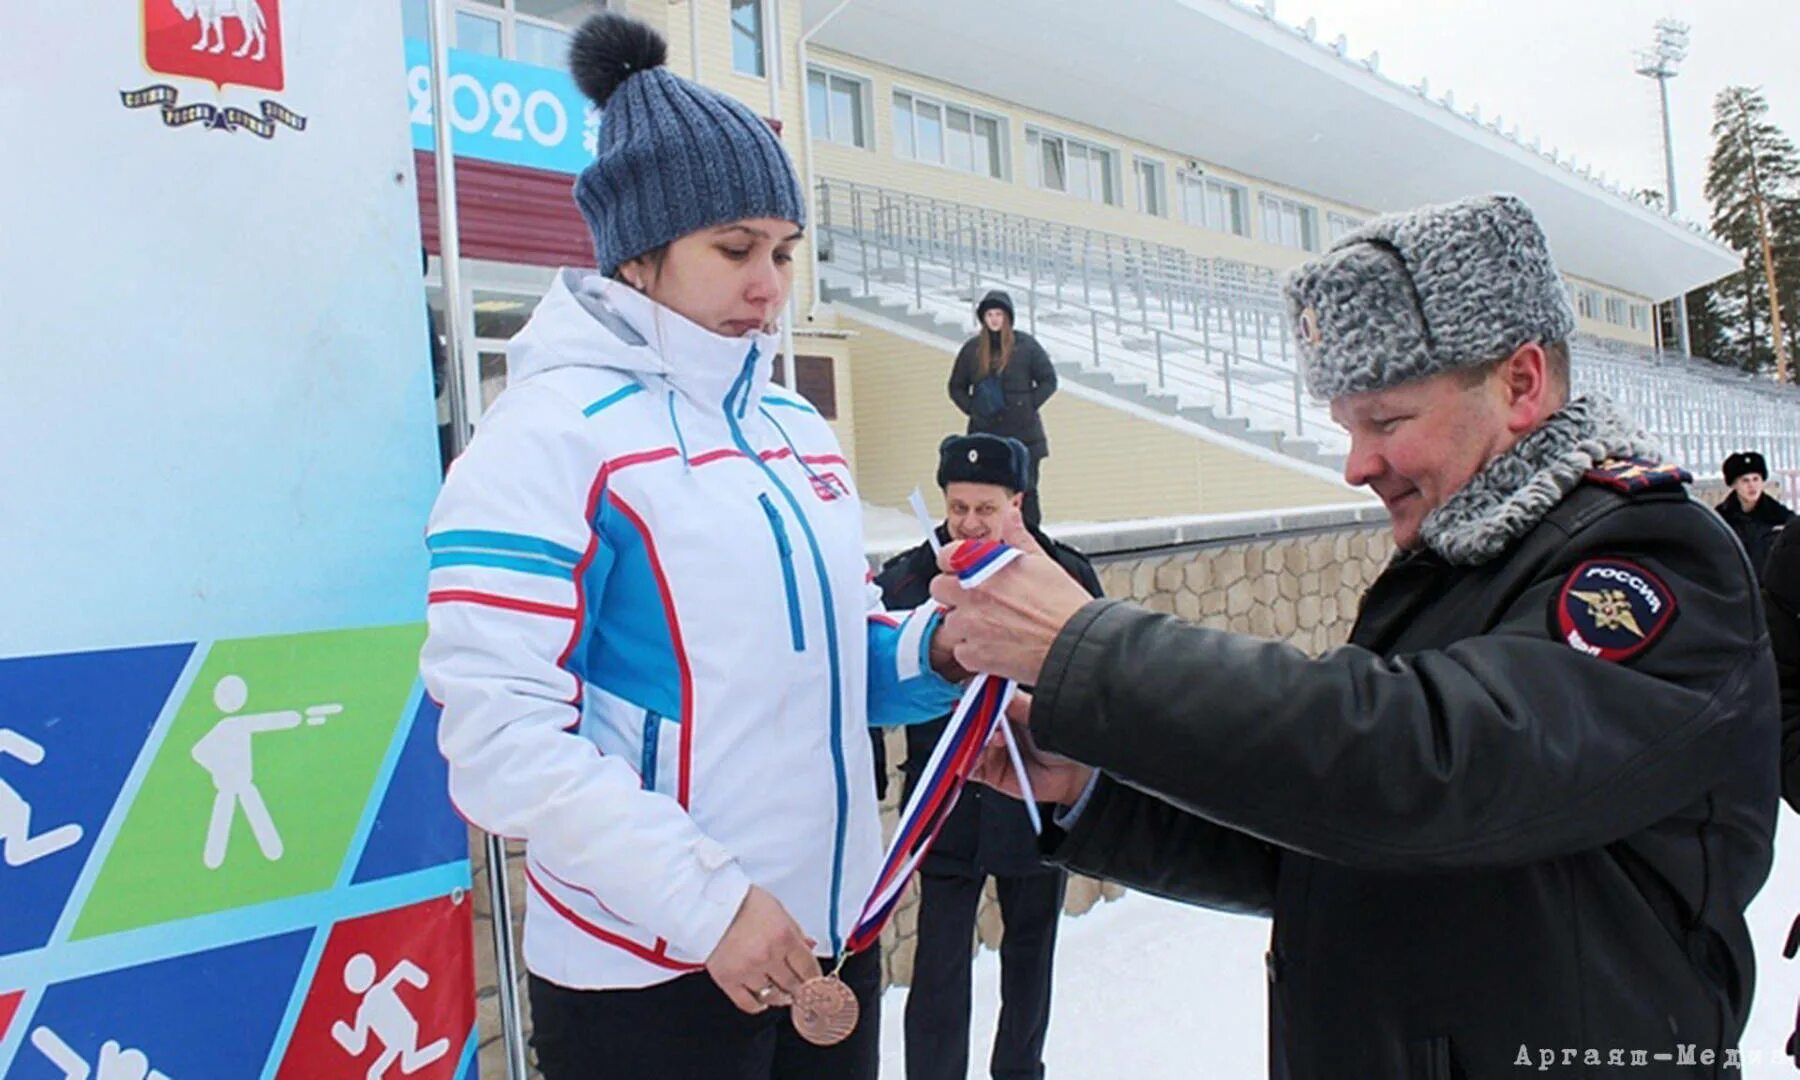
(535, 32)
(1214, 204)
(836, 107)
(540, 31)
(478, 32)
(747, 37)
(1152, 191)
(1615, 310)
(1338, 225)
(814, 380)
(941, 133)
(1073, 167)
(1640, 316)
(1287, 223)
(1588, 303)
(1051, 169)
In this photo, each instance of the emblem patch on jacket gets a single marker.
(1613, 609)
(1632, 475)
(829, 487)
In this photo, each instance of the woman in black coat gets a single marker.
(1001, 379)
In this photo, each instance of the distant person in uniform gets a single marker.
(1755, 515)
(984, 479)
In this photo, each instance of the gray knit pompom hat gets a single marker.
(1430, 290)
(674, 157)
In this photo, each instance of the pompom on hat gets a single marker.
(674, 157)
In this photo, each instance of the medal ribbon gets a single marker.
(982, 708)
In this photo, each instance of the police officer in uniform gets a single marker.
(984, 479)
(1757, 517)
(1524, 809)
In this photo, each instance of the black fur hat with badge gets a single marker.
(1743, 463)
(984, 459)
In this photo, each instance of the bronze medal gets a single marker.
(825, 1011)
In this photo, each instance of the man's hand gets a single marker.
(1054, 779)
(1006, 627)
(764, 956)
(943, 657)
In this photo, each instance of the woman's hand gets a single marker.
(764, 956)
(943, 657)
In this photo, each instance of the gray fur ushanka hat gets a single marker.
(1430, 290)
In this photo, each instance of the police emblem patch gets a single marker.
(1613, 609)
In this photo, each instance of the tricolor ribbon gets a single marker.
(982, 708)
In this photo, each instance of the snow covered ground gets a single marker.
(1153, 990)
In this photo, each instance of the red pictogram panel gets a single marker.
(394, 995)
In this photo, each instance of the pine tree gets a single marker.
(1784, 227)
(1709, 326)
(1754, 170)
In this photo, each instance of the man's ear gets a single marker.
(1528, 386)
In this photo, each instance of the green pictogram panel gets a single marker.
(257, 791)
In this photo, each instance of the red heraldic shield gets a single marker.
(225, 42)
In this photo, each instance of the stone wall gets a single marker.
(1302, 589)
(1299, 586)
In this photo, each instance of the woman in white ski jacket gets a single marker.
(652, 628)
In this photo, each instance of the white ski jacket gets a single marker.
(656, 642)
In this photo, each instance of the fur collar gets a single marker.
(1768, 510)
(1512, 494)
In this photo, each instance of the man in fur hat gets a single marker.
(1757, 517)
(1519, 817)
(983, 478)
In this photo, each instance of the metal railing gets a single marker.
(1071, 257)
(1697, 411)
(1218, 329)
(1212, 344)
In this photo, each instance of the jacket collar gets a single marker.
(705, 367)
(1512, 494)
(1769, 509)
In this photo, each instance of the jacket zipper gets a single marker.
(652, 734)
(742, 386)
(796, 625)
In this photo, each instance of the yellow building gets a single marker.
(1138, 175)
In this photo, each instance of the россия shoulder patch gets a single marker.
(1612, 608)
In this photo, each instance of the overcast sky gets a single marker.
(1563, 69)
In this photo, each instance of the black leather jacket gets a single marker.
(1781, 595)
(1473, 836)
(1756, 529)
